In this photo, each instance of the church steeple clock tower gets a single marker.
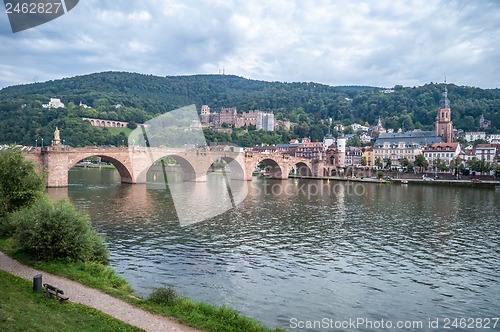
(444, 126)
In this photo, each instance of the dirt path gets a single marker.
(90, 297)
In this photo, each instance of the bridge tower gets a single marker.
(341, 145)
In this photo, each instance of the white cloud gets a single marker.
(380, 43)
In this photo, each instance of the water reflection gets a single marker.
(291, 249)
(198, 201)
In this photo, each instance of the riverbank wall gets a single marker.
(434, 182)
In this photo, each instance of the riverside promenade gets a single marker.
(90, 297)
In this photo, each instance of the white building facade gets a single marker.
(445, 152)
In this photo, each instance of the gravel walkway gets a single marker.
(96, 299)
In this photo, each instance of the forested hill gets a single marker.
(159, 94)
(22, 117)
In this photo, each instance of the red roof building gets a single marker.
(443, 151)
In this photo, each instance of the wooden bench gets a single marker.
(54, 291)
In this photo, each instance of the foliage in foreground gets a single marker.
(51, 231)
(21, 183)
(23, 310)
(43, 229)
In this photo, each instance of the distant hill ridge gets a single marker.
(307, 103)
(170, 90)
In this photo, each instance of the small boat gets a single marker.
(404, 181)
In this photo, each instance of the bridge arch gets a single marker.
(187, 169)
(301, 169)
(236, 169)
(273, 168)
(125, 175)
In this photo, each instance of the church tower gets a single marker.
(444, 126)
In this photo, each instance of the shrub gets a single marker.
(51, 231)
(21, 183)
(164, 295)
(7, 226)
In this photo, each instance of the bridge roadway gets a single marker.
(133, 163)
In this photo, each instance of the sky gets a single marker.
(376, 43)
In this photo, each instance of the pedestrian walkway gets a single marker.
(90, 297)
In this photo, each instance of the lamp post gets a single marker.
(42, 142)
(36, 142)
(64, 142)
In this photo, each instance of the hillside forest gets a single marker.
(313, 108)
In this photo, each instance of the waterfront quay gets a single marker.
(470, 183)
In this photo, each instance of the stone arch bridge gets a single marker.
(133, 163)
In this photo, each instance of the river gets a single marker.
(298, 251)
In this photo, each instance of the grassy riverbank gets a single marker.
(196, 314)
(23, 310)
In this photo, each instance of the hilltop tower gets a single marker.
(444, 126)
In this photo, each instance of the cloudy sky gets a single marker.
(379, 43)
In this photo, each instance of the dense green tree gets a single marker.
(41, 228)
(479, 165)
(421, 162)
(404, 162)
(21, 183)
(440, 165)
(51, 231)
(348, 130)
(456, 165)
(388, 163)
(355, 141)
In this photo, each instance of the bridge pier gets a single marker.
(57, 168)
(195, 177)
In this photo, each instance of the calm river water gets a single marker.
(303, 250)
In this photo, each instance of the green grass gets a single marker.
(196, 314)
(23, 310)
(116, 131)
(206, 316)
(94, 275)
